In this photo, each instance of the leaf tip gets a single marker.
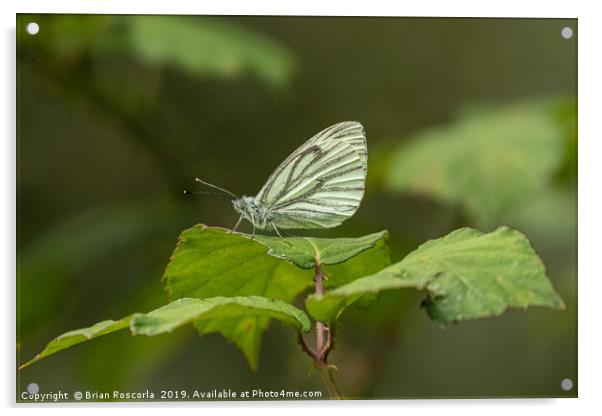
(559, 304)
(22, 366)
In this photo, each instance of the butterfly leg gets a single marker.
(280, 235)
(253, 222)
(276, 229)
(289, 234)
(236, 226)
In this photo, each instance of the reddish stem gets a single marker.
(319, 281)
(320, 354)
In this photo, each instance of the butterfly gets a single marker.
(319, 185)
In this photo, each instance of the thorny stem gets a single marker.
(320, 353)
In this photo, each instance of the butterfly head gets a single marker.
(250, 210)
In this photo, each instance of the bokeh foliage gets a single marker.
(488, 162)
(110, 131)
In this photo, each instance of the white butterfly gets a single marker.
(319, 185)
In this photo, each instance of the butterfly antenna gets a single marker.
(187, 192)
(216, 187)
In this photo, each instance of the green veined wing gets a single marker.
(320, 184)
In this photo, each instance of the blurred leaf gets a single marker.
(306, 251)
(467, 274)
(565, 112)
(488, 162)
(187, 310)
(65, 38)
(202, 46)
(77, 336)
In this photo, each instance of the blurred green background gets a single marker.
(470, 122)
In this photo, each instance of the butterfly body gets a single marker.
(256, 214)
(319, 185)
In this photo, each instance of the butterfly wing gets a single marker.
(320, 184)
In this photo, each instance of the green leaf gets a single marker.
(187, 310)
(342, 259)
(227, 283)
(77, 336)
(305, 251)
(466, 274)
(210, 262)
(488, 162)
(367, 262)
(179, 313)
(201, 46)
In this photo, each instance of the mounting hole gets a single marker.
(32, 28)
(566, 32)
(566, 384)
(33, 388)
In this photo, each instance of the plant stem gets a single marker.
(320, 353)
(319, 281)
(328, 379)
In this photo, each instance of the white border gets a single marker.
(590, 70)
(466, 8)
